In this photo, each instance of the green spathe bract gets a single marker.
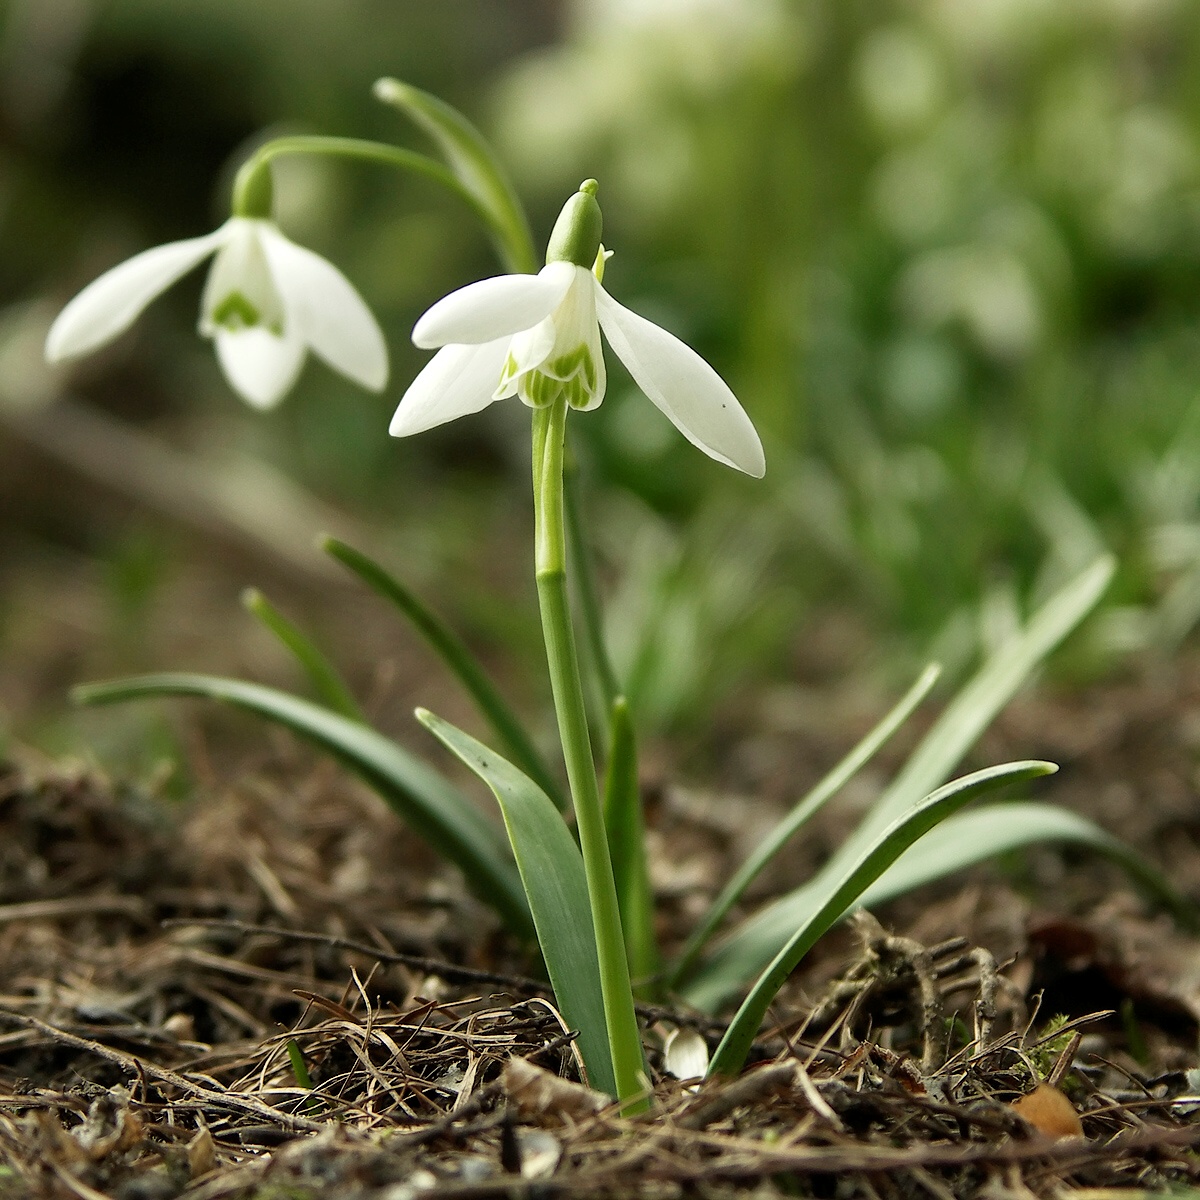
(576, 235)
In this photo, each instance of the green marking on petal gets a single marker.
(578, 395)
(507, 372)
(236, 312)
(538, 390)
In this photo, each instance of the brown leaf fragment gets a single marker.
(536, 1092)
(201, 1154)
(1050, 1112)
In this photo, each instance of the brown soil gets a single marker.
(170, 976)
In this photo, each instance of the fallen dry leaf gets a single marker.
(534, 1091)
(1050, 1112)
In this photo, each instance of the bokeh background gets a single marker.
(947, 252)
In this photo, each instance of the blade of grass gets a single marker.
(970, 837)
(623, 820)
(799, 816)
(451, 649)
(331, 689)
(474, 165)
(435, 809)
(551, 867)
(841, 892)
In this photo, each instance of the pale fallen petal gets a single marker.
(110, 304)
(494, 308)
(260, 366)
(685, 1054)
(332, 317)
(694, 397)
(457, 381)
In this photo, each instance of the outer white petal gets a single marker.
(332, 317)
(260, 365)
(694, 397)
(110, 304)
(494, 308)
(457, 381)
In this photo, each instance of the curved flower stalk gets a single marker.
(267, 302)
(538, 337)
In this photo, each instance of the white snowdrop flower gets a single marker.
(538, 337)
(267, 302)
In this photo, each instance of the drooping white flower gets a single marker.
(538, 337)
(267, 302)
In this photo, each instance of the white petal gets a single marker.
(685, 1054)
(110, 304)
(694, 397)
(457, 381)
(526, 352)
(494, 308)
(333, 318)
(240, 268)
(260, 365)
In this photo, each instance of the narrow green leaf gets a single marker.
(586, 593)
(327, 683)
(970, 837)
(838, 893)
(979, 703)
(623, 820)
(551, 869)
(453, 651)
(800, 815)
(440, 813)
(474, 164)
(756, 941)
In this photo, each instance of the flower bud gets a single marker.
(576, 235)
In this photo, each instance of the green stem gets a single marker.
(549, 427)
(247, 185)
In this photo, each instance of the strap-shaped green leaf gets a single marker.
(970, 837)
(331, 689)
(473, 163)
(585, 591)
(453, 651)
(551, 868)
(754, 943)
(625, 825)
(837, 894)
(805, 809)
(437, 810)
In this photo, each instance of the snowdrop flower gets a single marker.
(267, 302)
(538, 337)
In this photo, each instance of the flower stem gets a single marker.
(247, 183)
(549, 427)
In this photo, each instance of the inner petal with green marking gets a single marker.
(241, 293)
(560, 357)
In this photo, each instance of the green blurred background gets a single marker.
(947, 252)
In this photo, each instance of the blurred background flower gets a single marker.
(947, 253)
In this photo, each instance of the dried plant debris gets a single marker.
(202, 1008)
